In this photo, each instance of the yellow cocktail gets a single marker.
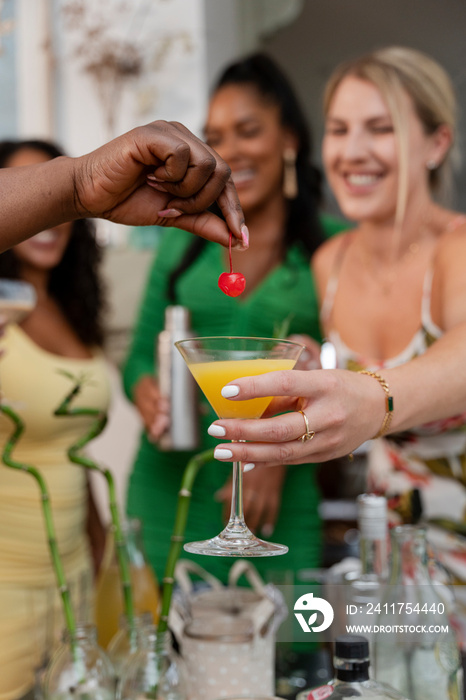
(212, 376)
(215, 362)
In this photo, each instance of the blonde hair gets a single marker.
(395, 70)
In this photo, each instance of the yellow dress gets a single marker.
(30, 613)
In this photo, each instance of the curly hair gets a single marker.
(302, 224)
(75, 283)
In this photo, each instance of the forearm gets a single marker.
(35, 198)
(432, 386)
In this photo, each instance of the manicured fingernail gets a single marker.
(170, 213)
(245, 235)
(247, 467)
(267, 530)
(216, 430)
(152, 177)
(229, 391)
(221, 453)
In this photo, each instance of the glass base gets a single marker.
(236, 544)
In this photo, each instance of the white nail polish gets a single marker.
(216, 431)
(221, 453)
(229, 391)
(247, 467)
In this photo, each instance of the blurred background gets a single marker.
(81, 72)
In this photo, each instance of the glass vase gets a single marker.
(80, 669)
(109, 597)
(128, 639)
(153, 672)
(416, 649)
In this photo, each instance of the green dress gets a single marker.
(287, 292)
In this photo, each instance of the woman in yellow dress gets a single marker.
(63, 332)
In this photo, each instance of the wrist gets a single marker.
(388, 402)
(60, 176)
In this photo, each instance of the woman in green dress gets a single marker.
(257, 126)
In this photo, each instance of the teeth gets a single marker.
(242, 175)
(362, 179)
(45, 236)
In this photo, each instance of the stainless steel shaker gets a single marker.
(177, 384)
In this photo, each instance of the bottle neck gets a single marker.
(83, 634)
(372, 524)
(351, 670)
(151, 641)
(409, 555)
(374, 557)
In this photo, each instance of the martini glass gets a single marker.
(214, 362)
(17, 299)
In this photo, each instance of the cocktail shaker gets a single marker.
(177, 384)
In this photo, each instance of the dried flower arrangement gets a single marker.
(111, 59)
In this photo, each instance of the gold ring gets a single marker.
(309, 434)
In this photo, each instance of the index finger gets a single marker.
(202, 182)
(227, 200)
(206, 225)
(279, 383)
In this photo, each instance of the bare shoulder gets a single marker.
(450, 267)
(452, 241)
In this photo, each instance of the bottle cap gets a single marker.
(177, 318)
(372, 516)
(352, 646)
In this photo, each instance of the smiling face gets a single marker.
(361, 152)
(45, 250)
(246, 132)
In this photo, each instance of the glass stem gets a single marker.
(236, 514)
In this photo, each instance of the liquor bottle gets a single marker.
(415, 648)
(364, 589)
(176, 383)
(372, 524)
(351, 663)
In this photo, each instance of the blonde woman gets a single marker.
(393, 296)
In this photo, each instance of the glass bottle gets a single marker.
(416, 651)
(109, 597)
(351, 663)
(80, 669)
(177, 384)
(127, 640)
(364, 589)
(153, 671)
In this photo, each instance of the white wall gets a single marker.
(175, 90)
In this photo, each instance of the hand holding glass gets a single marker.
(214, 362)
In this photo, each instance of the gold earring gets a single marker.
(290, 178)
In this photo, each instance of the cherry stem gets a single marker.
(229, 253)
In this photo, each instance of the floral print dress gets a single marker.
(422, 471)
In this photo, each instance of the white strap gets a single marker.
(185, 567)
(241, 567)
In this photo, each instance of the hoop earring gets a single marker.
(290, 177)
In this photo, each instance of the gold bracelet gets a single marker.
(388, 402)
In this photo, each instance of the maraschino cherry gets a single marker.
(232, 283)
